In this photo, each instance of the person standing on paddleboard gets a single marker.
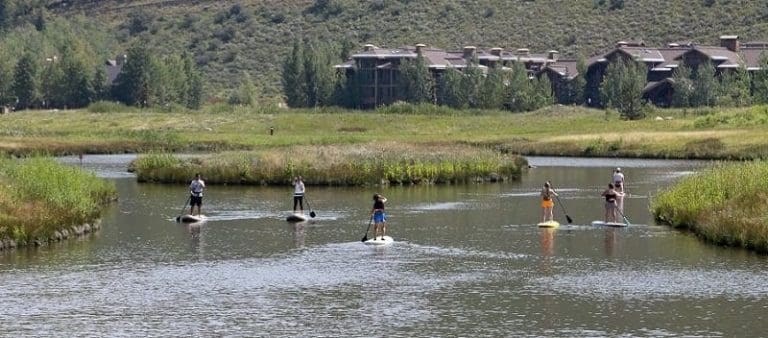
(546, 202)
(611, 196)
(379, 216)
(298, 194)
(196, 190)
(619, 186)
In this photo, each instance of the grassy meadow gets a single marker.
(727, 205)
(728, 133)
(369, 164)
(40, 196)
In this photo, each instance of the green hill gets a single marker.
(228, 38)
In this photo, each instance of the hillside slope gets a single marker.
(228, 38)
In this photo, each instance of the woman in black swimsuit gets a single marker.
(610, 195)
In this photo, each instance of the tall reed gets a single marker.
(386, 163)
(726, 205)
(41, 195)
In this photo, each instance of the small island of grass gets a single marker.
(41, 200)
(358, 164)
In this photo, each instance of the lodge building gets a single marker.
(378, 75)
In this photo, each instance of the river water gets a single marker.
(468, 261)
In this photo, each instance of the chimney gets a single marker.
(552, 55)
(731, 42)
(496, 51)
(523, 51)
(120, 60)
(420, 48)
(469, 52)
(673, 45)
(621, 44)
(368, 47)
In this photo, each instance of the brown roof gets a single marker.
(564, 67)
(751, 56)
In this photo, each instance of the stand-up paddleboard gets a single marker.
(296, 218)
(191, 218)
(609, 224)
(548, 224)
(380, 240)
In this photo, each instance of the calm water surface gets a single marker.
(467, 261)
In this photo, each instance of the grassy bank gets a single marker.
(364, 164)
(727, 205)
(565, 131)
(39, 196)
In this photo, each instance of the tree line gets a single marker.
(310, 80)
(46, 62)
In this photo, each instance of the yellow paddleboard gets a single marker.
(549, 224)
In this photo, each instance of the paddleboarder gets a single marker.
(298, 194)
(619, 185)
(547, 203)
(611, 196)
(196, 190)
(379, 216)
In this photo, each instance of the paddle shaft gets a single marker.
(563, 207)
(311, 212)
(365, 237)
(184, 207)
(626, 220)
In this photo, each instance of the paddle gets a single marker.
(365, 237)
(563, 207)
(311, 212)
(626, 220)
(178, 218)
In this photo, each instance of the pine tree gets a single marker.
(492, 89)
(193, 98)
(99, 84)
(6, 82)
(449, 89)
(319, 74)
(578, 85)
(760, 82)
(25, 83)
(51, 86)
(517, 91)
(734, 87)
(470, 85)
(622, 87)
(682, 86)
(133, 84)
(415, 81)
(293, 76)
(705, 86)
(78, 88)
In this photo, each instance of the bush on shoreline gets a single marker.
(369, 164)
(727, 205)
(40, 196)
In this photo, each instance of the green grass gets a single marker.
(363, 164)
(726, 205)
(556, 130)
(39, 196)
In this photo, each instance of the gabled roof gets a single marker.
(565, 67)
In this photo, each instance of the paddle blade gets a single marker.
(569, 219)
(178, 219)
(312, 214)
(365, 238)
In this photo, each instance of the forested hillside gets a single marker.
(228, 39)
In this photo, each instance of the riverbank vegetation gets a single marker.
(727, 205)
(360, 164)
(704, 133)
(39, 196)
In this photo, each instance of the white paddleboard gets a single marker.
(609, 224)
(296, 218)
(548, 224)
(191, 218)
(380, 241)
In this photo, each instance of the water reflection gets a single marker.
(299, 234)
(610, 240)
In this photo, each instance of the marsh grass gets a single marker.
(554, 130)
(726, 205)
(41, 196)
(367, 164)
